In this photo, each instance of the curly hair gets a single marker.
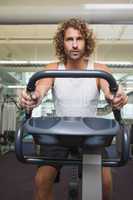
(85, 31)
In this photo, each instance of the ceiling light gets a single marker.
(115, 62)
(108, 6)
(24, 62)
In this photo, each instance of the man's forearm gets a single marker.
(43, 87)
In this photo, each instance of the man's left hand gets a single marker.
(119, 100)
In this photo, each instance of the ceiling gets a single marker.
(59, 2)
(34, 42)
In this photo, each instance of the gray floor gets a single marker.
(16, 181)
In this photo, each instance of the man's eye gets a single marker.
(79, 38)
(69, 39)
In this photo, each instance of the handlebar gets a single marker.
(75, 74)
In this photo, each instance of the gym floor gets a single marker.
(17, 180)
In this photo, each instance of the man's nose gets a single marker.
(74, 44)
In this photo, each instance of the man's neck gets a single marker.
(76, 64)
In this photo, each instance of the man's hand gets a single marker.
(119, 100)
(31, 100)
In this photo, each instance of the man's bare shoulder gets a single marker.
(51, 66)
(100, 66)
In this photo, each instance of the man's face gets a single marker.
(74, 44)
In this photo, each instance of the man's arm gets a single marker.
(42, 87)
(117, 101)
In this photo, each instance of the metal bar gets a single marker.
(92, 177)
(72, 74)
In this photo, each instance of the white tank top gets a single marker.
(75, 97)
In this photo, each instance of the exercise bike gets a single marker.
(87, 133)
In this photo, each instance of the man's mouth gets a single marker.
(74, 52)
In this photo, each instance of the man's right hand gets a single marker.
(31, 100)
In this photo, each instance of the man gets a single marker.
(74, 44)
